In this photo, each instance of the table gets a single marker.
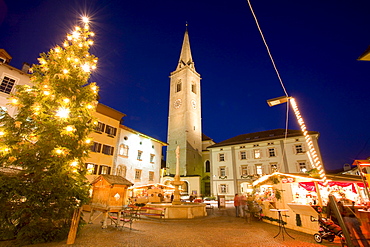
(281, 225)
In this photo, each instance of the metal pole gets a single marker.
(366, 187)
(333, 204)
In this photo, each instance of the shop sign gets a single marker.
(287, 180)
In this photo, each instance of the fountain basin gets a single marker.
(182, 211)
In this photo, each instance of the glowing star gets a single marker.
(63, 112)
(70, 128)
(85, 19)
(86, 67)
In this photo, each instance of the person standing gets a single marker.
(237, 204)
(243, 205)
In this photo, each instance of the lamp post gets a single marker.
(312, 154)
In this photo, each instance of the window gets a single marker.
(193, 88)
(104, 170)
(139, 153)
(110, 130)
(108, 150)
(302, 166)
(123, 150)
(244, 170)
(222, 171)
(272, 152)
(221, 157)
(137, 174)
(92, 169)
(208, 166)
(152, 156)
(100, 127)
(121, 171)
(243, 155)
(273, 167)
(6, 85)
(256, 145)
(178, 86)
(270, 143)
(259, 169)
(299, 149)
(151, 176)
(96, 147)
(223, 188)
(257, 153)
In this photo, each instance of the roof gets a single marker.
(110, 112)
(261, 136)
(205, 138)
(113, 179)
(141, 134)
(365, 56)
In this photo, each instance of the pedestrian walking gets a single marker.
(237, 204)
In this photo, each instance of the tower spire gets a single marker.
(185, 55)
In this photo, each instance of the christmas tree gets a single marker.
(47, 141)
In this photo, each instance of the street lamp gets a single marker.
(312, 154)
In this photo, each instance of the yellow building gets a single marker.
(105, 138)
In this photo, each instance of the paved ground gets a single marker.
(220, 228)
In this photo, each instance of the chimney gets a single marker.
(26, 67)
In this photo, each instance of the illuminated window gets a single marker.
(274, 167)
(108, 150)
(92, 169)
(123, 150)
(151, 176)
(257, 153)
(244, 170)
(152, 156)
(243, 155)
(6, 85)
(121, 171)
(272, 152)
(137, 174)
(139, 153)
(96, 147)
(302, 166)
(221, 157)
(100, 127)
(110, 130)
(103, 169)
(259, 169)
(223, 188)
(299, 149)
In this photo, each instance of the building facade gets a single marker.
(10, 77)
(139, 157)
(238, 161)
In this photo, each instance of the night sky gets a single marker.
(315, 45)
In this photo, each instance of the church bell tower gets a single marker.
(184, 115)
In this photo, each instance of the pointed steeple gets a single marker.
(185, 55)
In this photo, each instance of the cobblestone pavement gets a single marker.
(220, 228)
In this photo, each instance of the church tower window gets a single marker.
(178, 86)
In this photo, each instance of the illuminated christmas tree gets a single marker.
(47, 140)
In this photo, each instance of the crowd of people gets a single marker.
(246, 207)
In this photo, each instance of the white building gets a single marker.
(10, 77)
(139, 157)
(238, 161)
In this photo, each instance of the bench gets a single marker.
(121, 218)
(152, 212)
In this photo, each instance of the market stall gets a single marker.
(288, 191)
(151, 193)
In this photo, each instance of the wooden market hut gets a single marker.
(109, 194)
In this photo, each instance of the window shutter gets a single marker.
(219, 189)
(100, 169)
(227, 188)
(109, 168)
(219, 171)
(227, 171)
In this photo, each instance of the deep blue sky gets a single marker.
(315, 45)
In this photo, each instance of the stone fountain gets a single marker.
(177, 209)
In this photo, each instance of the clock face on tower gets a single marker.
(194, 104)
(177, 103)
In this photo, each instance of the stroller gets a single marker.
(328, 230)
